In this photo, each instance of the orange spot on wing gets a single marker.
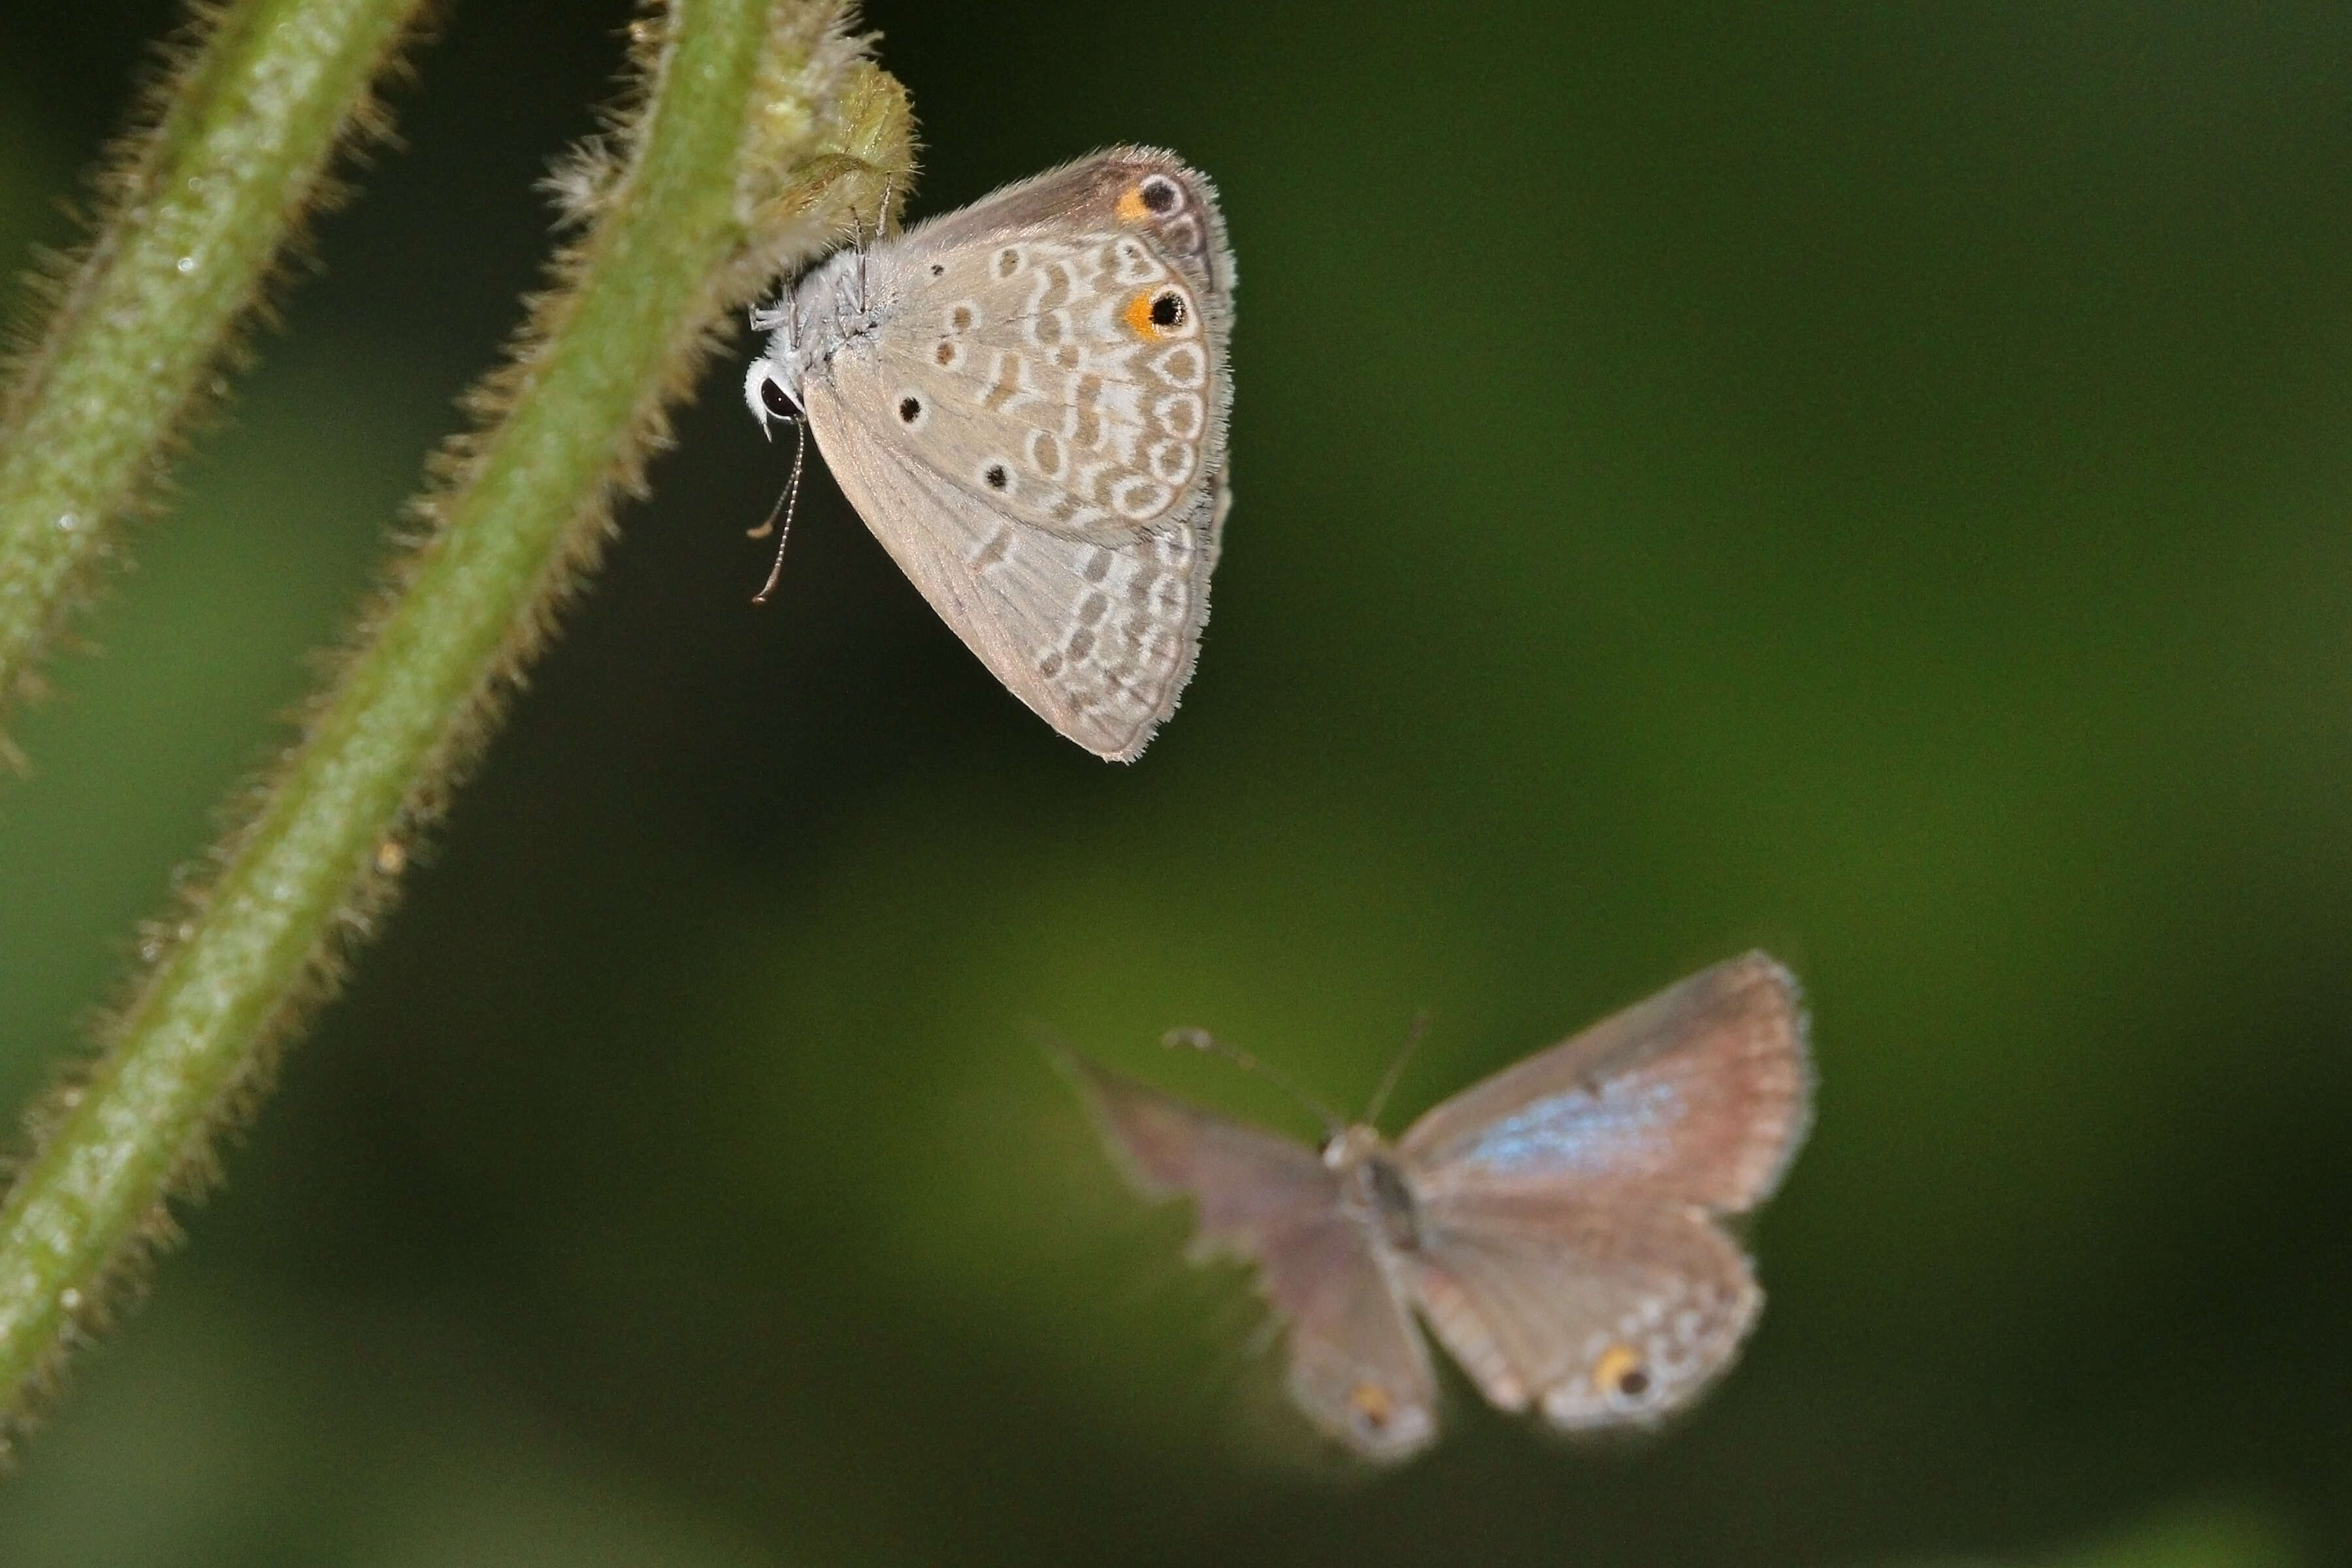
(1130, 207)
(1138, 315)
(1611, 1366)
(1373, 1405)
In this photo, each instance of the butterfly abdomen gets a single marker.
(1394, 1209)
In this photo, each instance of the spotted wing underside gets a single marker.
(1057, 349)
(1097, 637)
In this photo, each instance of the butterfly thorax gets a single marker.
(839, 307)
(1380, 1191)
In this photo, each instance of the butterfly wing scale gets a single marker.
(1357, 1367)
(1567, 1252)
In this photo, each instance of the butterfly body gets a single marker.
(1555, 1224)
(1027, 401)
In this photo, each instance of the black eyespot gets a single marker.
(1167, 310)
(996, 476)
(773, 399)
(1634, 1384)
(911, 409)
(1159, 194)
(937, 268)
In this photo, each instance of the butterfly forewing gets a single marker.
(1701, 1093)
(1070, 383)
(1358, 1365)
(1119, 183)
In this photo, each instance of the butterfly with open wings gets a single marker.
(1556, 1224)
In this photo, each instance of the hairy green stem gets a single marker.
(754, 131)
(197, 209)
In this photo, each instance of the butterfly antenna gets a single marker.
(1396, 1067)
(1202, 1040)
(786, 504)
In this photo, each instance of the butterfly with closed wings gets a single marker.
(1026, 400)
(1556, 1224)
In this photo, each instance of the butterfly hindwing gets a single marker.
(1595, 1317)
(1097, 637)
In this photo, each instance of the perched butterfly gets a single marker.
(1026, 400)
(1556, 1224)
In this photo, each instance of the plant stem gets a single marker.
(198, 209)
(754, 127)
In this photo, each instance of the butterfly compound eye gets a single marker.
(773, 399)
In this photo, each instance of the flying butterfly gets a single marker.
(1026, 400)
(1555, 1224)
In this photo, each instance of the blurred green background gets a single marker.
(1871, 481)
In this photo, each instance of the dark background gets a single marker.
(1867, 480)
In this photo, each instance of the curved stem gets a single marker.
(199, 208)
(753, 126)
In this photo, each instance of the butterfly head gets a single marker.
(772, 387)
(1349, 1147)
(825, 311)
